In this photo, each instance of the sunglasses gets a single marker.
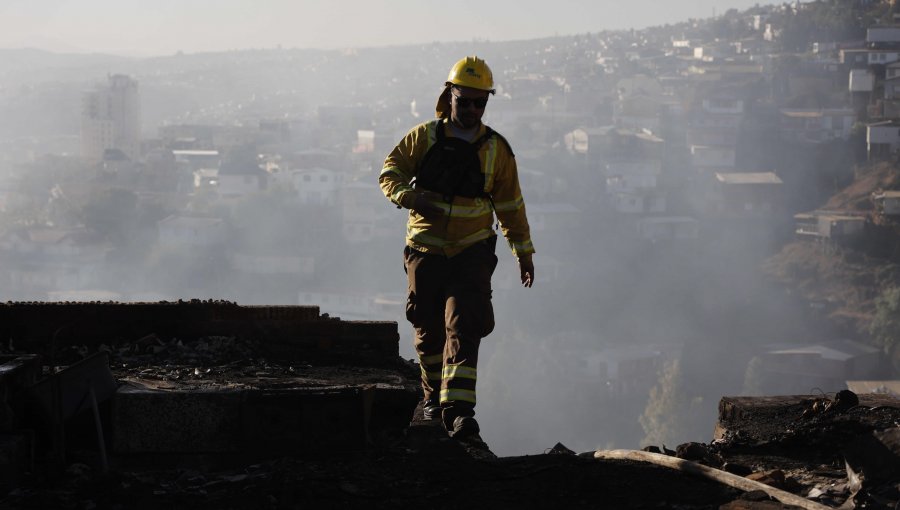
(464, 102)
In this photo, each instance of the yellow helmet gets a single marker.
(470, 72)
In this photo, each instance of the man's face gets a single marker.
(467, 106)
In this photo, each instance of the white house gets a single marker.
(883, 138)
(862, 80)
(883, 35)
(317, 186)
(883, 57)
(206, 178)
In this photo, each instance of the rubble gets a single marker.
(230, 420)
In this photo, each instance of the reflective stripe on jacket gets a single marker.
(470, 219)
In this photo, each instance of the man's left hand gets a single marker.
(526, 270)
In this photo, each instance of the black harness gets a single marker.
(451, 167)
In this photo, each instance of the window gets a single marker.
(307, 178)
(323, 178)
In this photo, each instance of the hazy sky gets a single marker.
(160, 27)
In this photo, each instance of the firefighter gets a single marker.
(454, 174)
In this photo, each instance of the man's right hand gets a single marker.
(424, 206)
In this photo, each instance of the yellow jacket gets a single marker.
(471, 218)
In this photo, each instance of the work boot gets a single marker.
(431, 409)
(463, 427)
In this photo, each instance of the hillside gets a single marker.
(843, 282)
(882, 175)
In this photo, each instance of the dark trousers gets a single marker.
(449, 306)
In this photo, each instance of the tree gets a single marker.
(885, 327)
(671, 412)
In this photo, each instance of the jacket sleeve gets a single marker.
(400, 168)
(510, 206)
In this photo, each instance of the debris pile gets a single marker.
(208, 411)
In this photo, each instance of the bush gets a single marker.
(885, 327)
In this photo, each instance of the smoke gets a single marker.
(632, 330)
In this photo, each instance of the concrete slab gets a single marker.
(159, 421)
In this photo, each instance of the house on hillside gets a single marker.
(614, 144)
(188, 162)
(891, 104)
(745, 195)
(887, 202)
(206, 178)
(882, 138)
(854, 58)
(883, 57)
(816, 125)
(833, 226)
(787, 369)
(316, 185)
(715, 119)
(237, 180)
(637, 112)
(861, 80)
(883, 36)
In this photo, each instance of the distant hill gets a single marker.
(15, 60)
